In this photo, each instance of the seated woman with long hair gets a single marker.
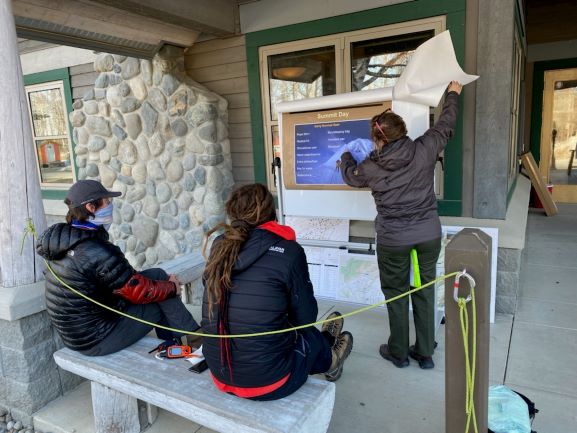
(257, 280)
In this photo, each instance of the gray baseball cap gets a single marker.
(85, 191)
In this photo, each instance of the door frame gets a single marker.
(539, 69)
(561, 192)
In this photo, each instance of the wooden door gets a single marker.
(559, 134)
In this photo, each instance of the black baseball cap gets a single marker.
(85, 191)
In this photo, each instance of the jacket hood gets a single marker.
(58, 239)
(259, 242)
(395, 155)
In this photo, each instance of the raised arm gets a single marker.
(439, 134)
(353, 173)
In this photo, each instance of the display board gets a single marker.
(347, 276)
(313, 142)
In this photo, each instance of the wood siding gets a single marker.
(220, 65)
(82, 78)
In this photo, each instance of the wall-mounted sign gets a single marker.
(313, 143)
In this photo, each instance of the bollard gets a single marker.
(469, 249)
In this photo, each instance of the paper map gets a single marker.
(320, 229)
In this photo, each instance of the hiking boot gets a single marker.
(340, 351)
(425, 362)
(399, 363)
(334, 327)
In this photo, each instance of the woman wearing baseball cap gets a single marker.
(81, 254)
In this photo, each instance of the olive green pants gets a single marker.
(394, 267)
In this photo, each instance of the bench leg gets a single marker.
(147, 414)
(114, 412)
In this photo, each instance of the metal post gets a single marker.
(276, 167)
(469, 249)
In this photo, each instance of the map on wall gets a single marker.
(359, 279)
(319, 229)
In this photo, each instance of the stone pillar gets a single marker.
(493, 109)
(28, 375)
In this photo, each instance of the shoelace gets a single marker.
(332, 327)
(341, 341)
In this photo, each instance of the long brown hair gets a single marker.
(248, 207)
(386, 128)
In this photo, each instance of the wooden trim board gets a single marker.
(537, 181)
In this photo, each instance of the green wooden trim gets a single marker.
(512, 189)
(47, 76)
(418, 9)
(62, 74)
(449, 207)
(539, 69)
(54, 194)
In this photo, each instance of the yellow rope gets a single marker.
(470, 365)
(256, 334)
(30, 229)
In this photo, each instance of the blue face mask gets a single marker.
(103, 216)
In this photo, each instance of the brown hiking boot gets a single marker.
(341, 351)
(334, 327)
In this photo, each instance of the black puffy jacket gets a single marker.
(88, 262)
(271, 290)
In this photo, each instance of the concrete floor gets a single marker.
(533, 351)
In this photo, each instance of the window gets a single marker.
(355, 61)
(377, 63)
(49, 121)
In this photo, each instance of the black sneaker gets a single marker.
(334, 327)
(425, 362)
(341, 350)
(399, 363)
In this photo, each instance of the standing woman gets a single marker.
(257, 280)
(400, 173)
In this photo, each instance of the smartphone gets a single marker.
(200, 367)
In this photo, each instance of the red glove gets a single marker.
(142, 290)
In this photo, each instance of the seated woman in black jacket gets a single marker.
(81, 255)
(257, 280)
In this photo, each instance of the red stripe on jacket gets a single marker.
(255, 391)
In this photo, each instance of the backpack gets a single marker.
(505, 393)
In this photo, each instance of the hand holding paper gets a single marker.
(432, 66)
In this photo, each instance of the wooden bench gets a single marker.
(118, 380)
(188, 268)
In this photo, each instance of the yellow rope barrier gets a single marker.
(31, 230)
(256, 334)
(470, 361)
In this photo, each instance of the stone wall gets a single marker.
(151, 132)
(29, 377)
(508, 275)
